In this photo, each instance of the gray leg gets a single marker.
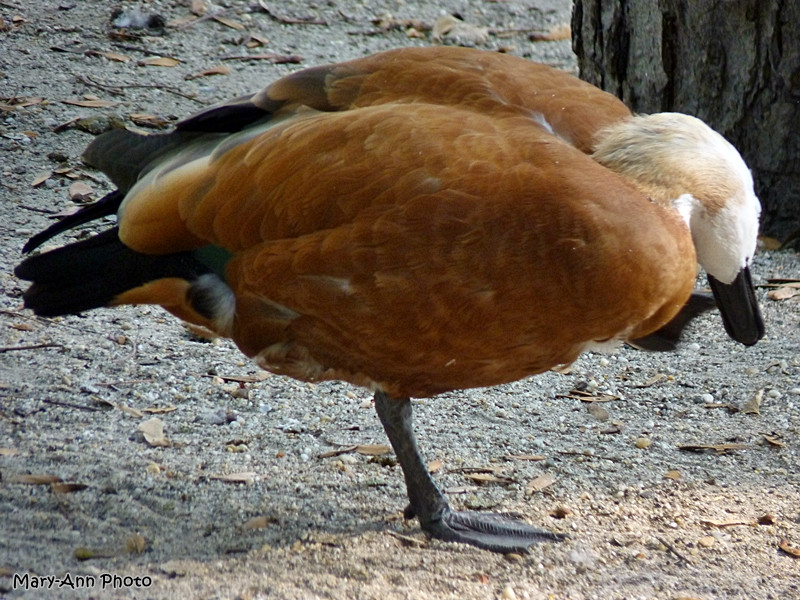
(428, 504)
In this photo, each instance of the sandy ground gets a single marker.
(243, 503)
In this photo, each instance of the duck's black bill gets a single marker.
(739, 308)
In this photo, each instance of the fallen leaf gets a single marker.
(790, 550)
(753, 405)
(243, 477)
(128, 410)
(159, 61)
(783, 293)
(673, 474)
(259, 523)
(21, 326)
(80, 192)
(67, 487)
(532, 457)
(218, 70)
(434, 466)
(337, 451)
(157, 410)
(559, 32)
(229, 23)
(771, 439)
(8, 451)
(453, 28)
(153, 431)
(113, 56)
(41, 178)
(540, 483)
(481, 478)
(373, 450)
(35, 479)
(91, 103)
(135, 544)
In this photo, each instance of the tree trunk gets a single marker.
(733, 63)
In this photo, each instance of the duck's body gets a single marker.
(416, 221)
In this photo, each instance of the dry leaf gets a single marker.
(41, 178)
(80, 192)
(8, 451)
(218, 70)
(790, 550)
(753, 405)
(373, 450)
(481, 478)
(771, 439)
(35, 479)
(159, 61)
(113, 56)
(229, 23)
(128, 410)
(673, 474)
(337, 451)
(540, 483)
(532, 457)
(153, 431)
(243, 477)
(559, 32)
(67, 488)
(91, 103)
(156, 410)
(135, 544)
(783, 293)
(435, 465)
(259, 523)
(453, 28)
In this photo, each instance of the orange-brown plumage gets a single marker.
(420, 221)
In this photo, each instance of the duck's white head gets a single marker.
(679, 161)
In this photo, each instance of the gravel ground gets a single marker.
(241, 504)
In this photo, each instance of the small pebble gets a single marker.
(643, 443)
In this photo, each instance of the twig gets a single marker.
(672, 549)
(32, 347)
(115, 88)
(71, 405)
(588, 454)
(406, 539)
(276, 59)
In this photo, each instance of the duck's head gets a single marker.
(678, 160)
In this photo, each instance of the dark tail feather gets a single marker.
(91, 273)
(107, 205)
(125, 155)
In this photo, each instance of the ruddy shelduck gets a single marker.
(417, 221)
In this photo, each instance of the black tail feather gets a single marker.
(91, 273)
(107, 205)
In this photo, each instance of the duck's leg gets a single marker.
(428, 504)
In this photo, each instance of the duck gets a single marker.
(418, 221)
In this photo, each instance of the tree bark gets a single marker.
(733, 63)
